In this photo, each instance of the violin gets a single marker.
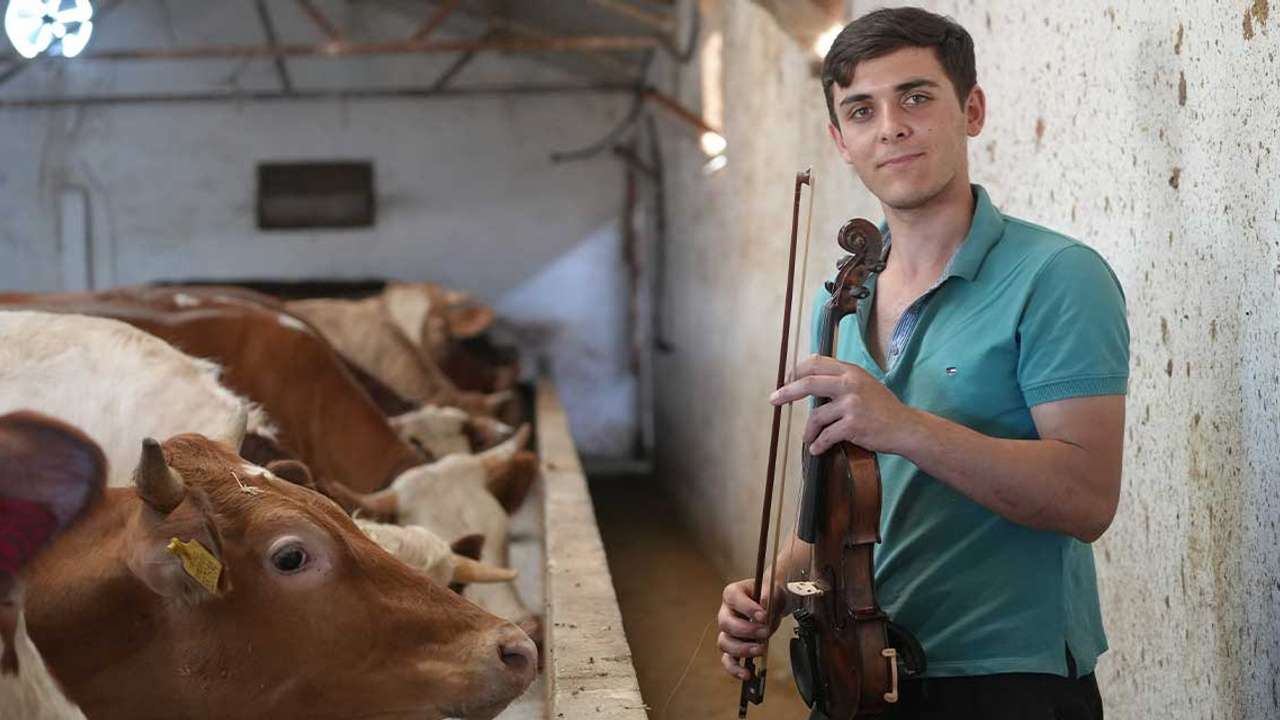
(845, 653)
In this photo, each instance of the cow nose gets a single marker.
(518, 653)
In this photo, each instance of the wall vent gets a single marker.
(301, 195)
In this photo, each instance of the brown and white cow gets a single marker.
(120, 384)
(284, 609)
(50, 473)
(272, 358)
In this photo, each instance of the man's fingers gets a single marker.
(732, 667)
(820, 418)
(818, 365)
(740, 628)
(738, 648)
(833, 434)
(825, 386)
(736, 598)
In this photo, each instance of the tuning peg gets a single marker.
(830, 286)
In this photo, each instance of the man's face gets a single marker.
(902, 129)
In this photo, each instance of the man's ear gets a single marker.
(975, 111)
(838, 138)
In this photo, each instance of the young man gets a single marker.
(987, 370)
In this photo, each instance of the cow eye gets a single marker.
(289, 559)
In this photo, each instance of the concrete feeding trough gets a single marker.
(556, 546)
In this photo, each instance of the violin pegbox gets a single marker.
(865, 246)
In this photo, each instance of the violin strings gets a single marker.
(662, 714)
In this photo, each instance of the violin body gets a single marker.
(841, 658)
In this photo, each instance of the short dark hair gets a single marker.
(883, 31)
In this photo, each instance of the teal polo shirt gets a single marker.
(1022, 316)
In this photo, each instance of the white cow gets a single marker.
(141, 386)
(457, 496)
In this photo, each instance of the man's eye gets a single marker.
(859, 113)
(917, 99)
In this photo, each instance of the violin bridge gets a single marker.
(805, 589)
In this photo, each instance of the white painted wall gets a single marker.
(466, 193)
(1088, 132)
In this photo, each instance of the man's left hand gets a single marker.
(862, 410)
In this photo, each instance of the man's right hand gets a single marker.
(744, 631)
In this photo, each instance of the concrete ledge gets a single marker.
(588, 672)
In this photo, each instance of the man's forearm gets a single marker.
(1043, 484)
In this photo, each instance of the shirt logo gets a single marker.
(951, 370)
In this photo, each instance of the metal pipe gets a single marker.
(679, 110)
(329, 29)
(653, 20)
(314, 94)
(436, 20)
(269, 30)
(583, 43)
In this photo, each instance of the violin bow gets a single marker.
(753, 687)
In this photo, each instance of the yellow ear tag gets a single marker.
(198, 562)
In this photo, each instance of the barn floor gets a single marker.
(669, 594)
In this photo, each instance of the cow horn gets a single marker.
(159, 485)
(381, 505)
(498, 456)
(467, 572)
(494, 402)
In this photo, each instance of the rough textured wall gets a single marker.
(1148, 130)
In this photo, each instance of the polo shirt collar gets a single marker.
(984, 232)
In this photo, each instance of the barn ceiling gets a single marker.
(149, 50)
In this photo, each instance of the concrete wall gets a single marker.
(467, 195)
(1146, 129)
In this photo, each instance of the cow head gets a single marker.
(258, 598)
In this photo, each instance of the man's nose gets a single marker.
(893, 125)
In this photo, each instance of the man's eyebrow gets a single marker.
(900, 88)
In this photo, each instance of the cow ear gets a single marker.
(469, 321)
(49, 463)
(178, 555)
(293, 471)
(469, 546)
(50, 473)
(173, 546)
(510, 483)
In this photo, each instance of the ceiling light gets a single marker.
(44, 26)
(713, 143)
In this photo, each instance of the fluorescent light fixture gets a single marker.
(715, 165)
(713, 143)
(825, 40)
(44, 26)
